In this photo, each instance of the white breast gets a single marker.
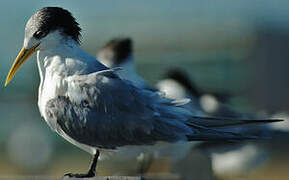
(52, 84)
(56, 65)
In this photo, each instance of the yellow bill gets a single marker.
(23, 55)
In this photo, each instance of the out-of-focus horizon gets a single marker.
(237, 47)
(191, 30)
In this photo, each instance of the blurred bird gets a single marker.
(119, 53)
(177, 84)
(90, 106)
(236, 158)
(227, 158)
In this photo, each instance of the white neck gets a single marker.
(58, 62)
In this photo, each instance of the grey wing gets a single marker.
(101, 110)
(104, 111)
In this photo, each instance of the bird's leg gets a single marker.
(91, 171)
(93, 164)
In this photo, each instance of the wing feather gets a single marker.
(102, 110)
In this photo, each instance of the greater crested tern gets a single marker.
(91, 107)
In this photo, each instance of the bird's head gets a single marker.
(47, 28)
(116, 52)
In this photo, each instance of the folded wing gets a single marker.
(101, 110)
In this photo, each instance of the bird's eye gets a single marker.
(39, 34)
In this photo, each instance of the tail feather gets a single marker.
(208, 134)
(214, 122)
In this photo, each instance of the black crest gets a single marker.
(51, 18)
